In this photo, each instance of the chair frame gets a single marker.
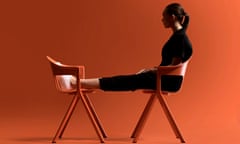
(59, 69)
(180, 70)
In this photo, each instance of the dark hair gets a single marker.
(177, 10)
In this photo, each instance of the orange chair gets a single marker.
(62, 75)
(176, 70)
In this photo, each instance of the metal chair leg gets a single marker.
(66, 119)
(91, 117)
(95, 115)
(138, 129)
(170, 118)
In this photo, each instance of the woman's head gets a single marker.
(174, 13)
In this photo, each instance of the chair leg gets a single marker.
(95, 115)
(170, 117)
(66, 119)
(141, 122)
(91, 117)
(70, 115)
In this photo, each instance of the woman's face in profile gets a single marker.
(166, 19)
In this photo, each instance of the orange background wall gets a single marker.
(112, 37)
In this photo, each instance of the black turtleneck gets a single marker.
(177, 46)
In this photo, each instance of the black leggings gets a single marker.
(140, 81)
(129, 82)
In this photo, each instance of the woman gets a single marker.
(176, 50)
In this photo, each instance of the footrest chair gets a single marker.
(62, 75)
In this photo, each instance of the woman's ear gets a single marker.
(174, 18)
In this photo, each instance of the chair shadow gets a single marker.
(32, 139)
(117, 140)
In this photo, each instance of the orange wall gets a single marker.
(118, 37)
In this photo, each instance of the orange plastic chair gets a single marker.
(176, 70)
(62, 74)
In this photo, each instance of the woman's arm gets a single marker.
(147, 70)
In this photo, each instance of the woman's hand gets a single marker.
(147, 70)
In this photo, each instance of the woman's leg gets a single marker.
(92, 83)
(121, 82)
(128, 82)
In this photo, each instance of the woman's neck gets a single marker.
(177, 26)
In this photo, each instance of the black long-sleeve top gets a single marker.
(178, 46)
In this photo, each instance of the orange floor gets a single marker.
(39, 128)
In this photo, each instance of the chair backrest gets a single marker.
(177, 71)
(63, 74)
